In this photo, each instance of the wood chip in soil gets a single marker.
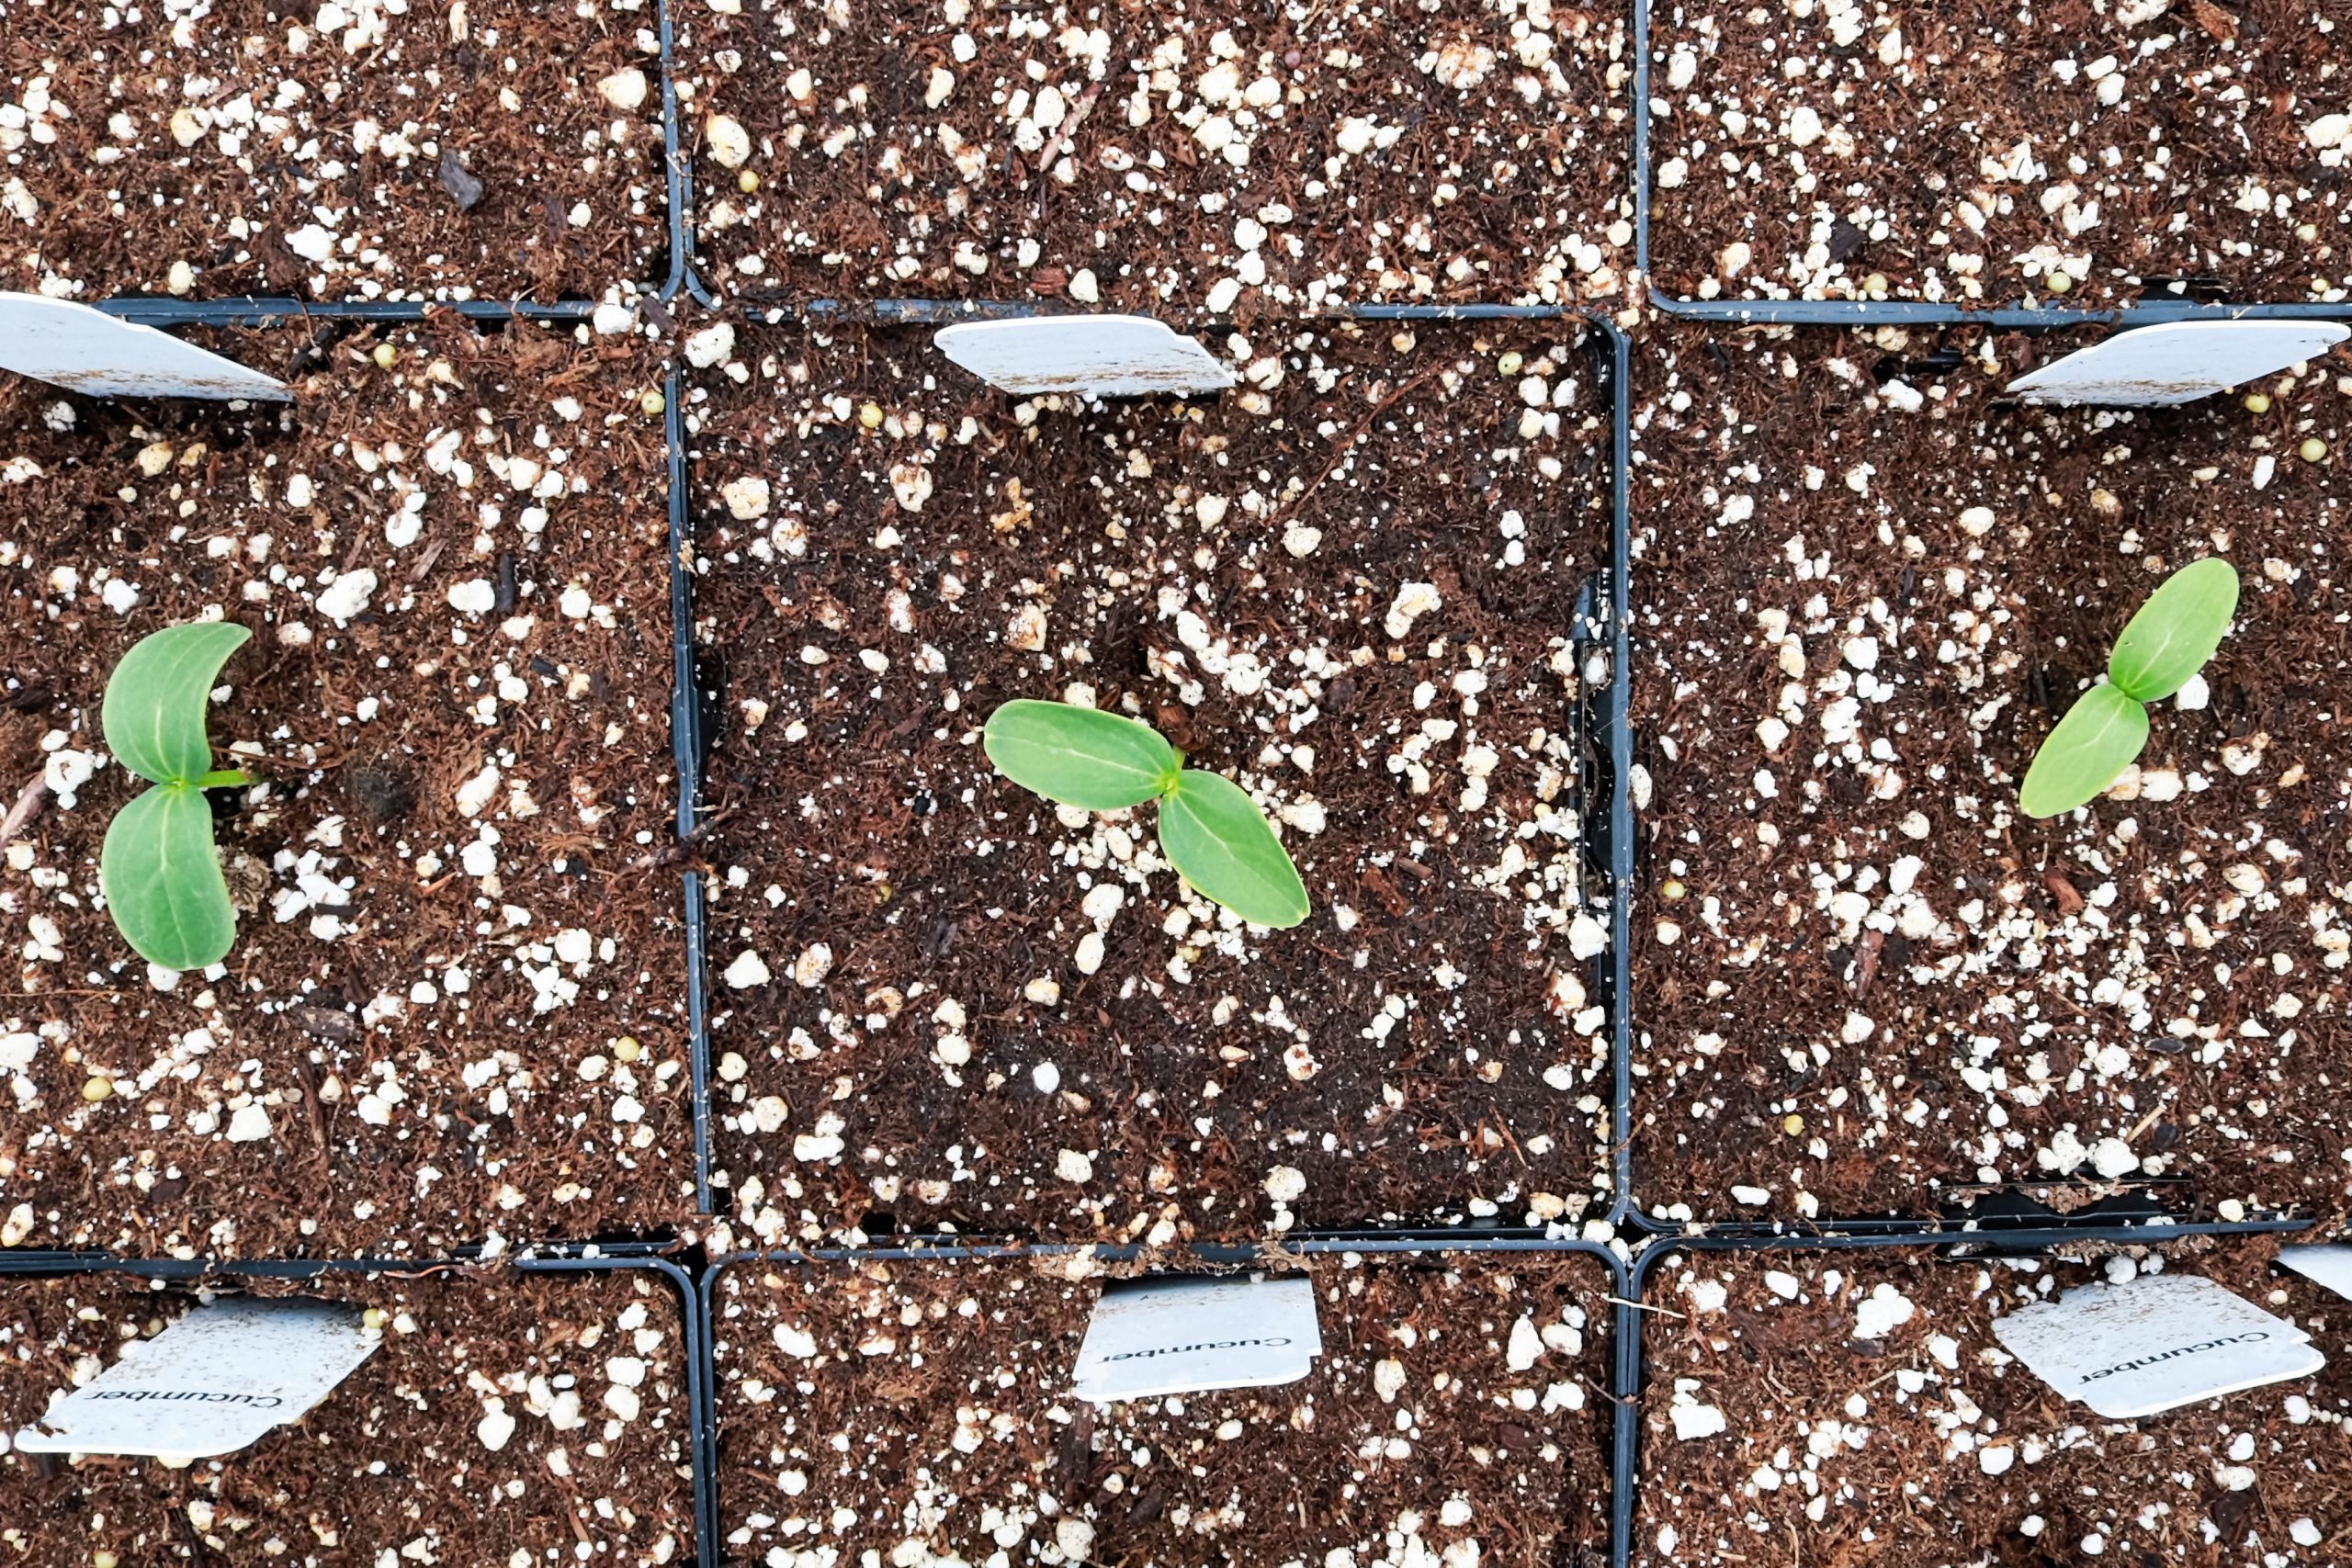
(1975, 153)
(1865, 982)
(356, 150)
(396, 1464)
(457, 892)
(1349, 586)
(1256, 163)
(1456, 1413)
(1925, 1442)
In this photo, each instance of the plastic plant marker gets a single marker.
(1213, 835)
(1162, 1335)
(1081, 757)
(2092, 745)
(85, 350)
(2173, 634)
(218, 1380)
(1094, 356)
(162, 881)
(155, 700)
(2176, 362)
(2155, 1343)
(2331, 1265)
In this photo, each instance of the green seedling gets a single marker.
(160, 872)
(2169, 642)
(1211, 831)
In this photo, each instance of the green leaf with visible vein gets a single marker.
(154, 713)
(1216, 837)
(2094, 743)
(1096, 761)
(2175, 631)
(163, 882)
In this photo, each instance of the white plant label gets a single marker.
(218, 1379)
(2177, 362)
(1092, 356)
(2331, 1265)
(2159, 1341)
(1180, 1336)
(85, 350)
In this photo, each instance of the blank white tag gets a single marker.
(2177, 362)
(85, 350)
(2159, 1341)
(2331, 1265)
(1094, 356)
(1179, 1335)
(218, 1379)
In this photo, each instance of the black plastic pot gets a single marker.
(581, 1259)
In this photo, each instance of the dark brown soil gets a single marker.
(436, 1058)
(934, 1408)
(1865, 982)
(1454, 151)
(1908, 177)
(425, 151)
(958, 1048)
(393, 1466)
(1879, 1451)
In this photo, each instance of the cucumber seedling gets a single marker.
(1209, 829)
(2165, 643)
(158, 868)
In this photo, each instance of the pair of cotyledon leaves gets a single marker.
(158, 868)
(2165, 643)
(1209, 829)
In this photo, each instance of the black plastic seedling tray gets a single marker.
(586, 1259)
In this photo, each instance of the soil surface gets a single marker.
(1925, 1442)
(1253, 160)
(1458, 1413)
(580, 1379)
(1866, 590)
(457, 906)
(357, 149)
(943, 999)
(1979, 152)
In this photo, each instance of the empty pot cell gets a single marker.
(1801, 1405)
(2085, 153)
(506, 1417)
(1457, 1414)
(360, 150)
(1252, 163)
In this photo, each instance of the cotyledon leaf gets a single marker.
(1216, 837)
(2175, 631)
(155, 700)
(163, 882)
(1094, 761)
(2094, 743)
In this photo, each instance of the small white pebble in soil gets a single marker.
(1285, 1184)
(496, 1426)
(748, 970)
